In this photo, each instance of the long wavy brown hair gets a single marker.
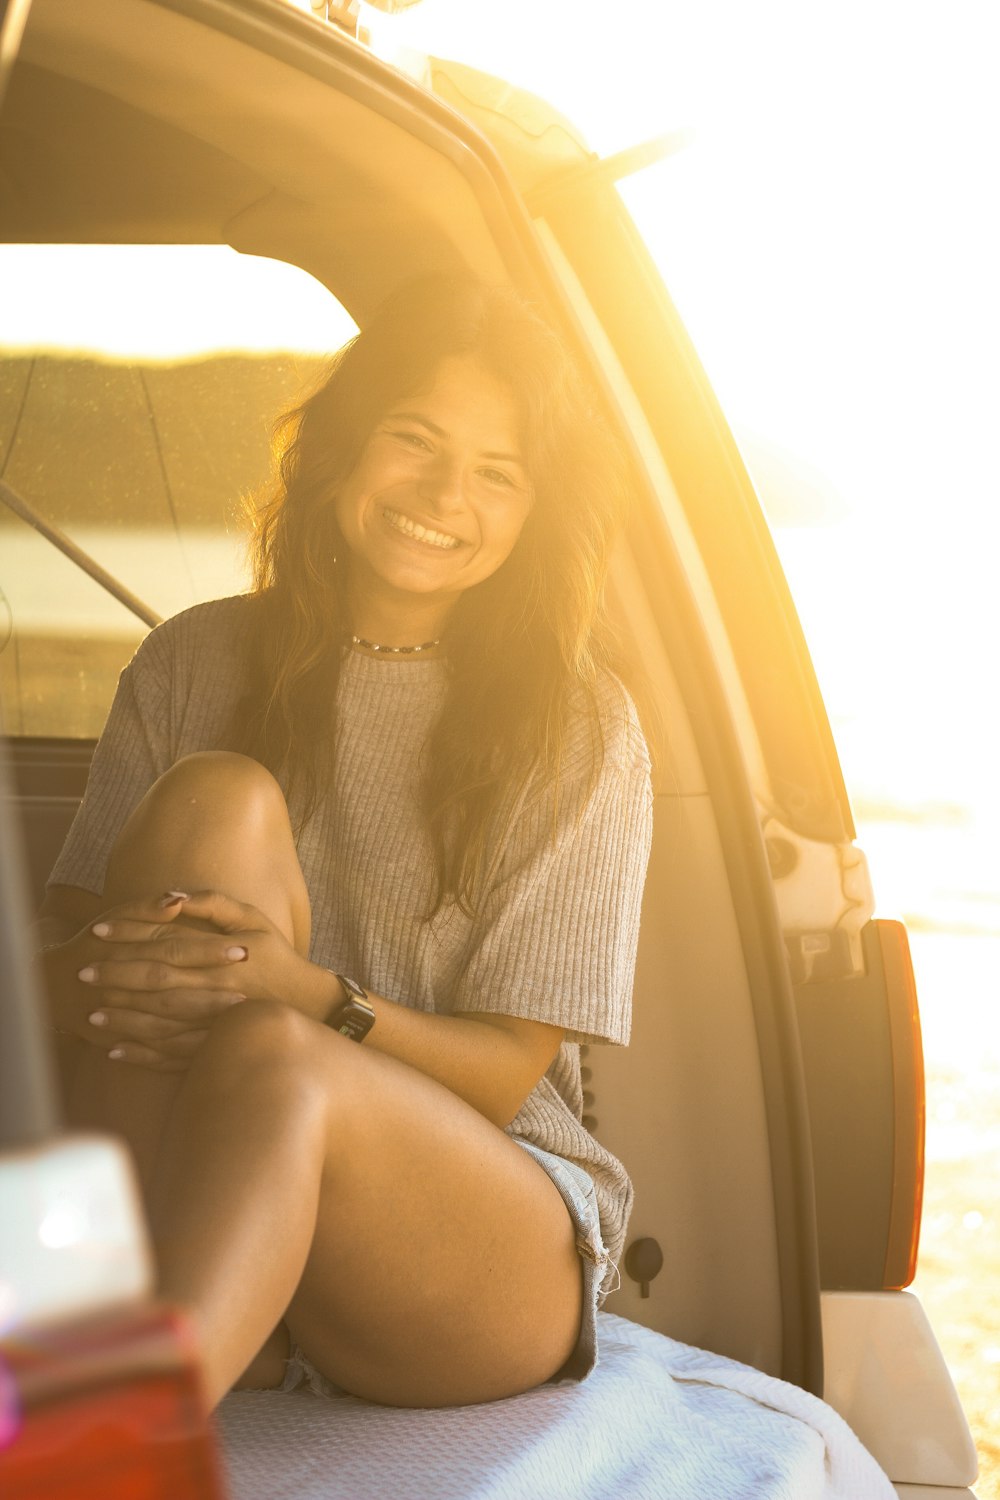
(526, 649)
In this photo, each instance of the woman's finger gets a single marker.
(176, 1008)
(159, 907)
(132, 1054)
(142, 976)
(118, 929)
(228, 914)
(181, 947)
(110, 1025)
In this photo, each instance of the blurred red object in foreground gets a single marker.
(106, 1408)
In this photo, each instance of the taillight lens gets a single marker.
(106, 1409)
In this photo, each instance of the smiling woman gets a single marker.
(424, 1220)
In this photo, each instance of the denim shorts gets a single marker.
(576, 1188)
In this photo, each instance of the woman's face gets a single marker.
(439, 495)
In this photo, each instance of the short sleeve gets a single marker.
(132, 752)
(557, 938)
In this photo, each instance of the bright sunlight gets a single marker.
(164, 302)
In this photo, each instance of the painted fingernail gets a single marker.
(116, 1054)
(237, 954)
(101, 929)
(171, 898)
(98, 1018)
(88, 975)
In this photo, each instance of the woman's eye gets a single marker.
(497, 477)
(412, 440)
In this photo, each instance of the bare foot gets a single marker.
(267, 1368)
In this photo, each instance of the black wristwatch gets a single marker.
(352, 1017)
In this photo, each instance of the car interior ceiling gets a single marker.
(89, 159)
(95, 151)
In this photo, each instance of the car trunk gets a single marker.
(358, 177)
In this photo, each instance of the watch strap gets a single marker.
(350, 985)
(353, 1016)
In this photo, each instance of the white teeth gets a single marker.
(421, 533)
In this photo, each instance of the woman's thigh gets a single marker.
(444, 1267)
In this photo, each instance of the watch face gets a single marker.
(353, 1019)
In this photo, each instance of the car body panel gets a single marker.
(886, 1377)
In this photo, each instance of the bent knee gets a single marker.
(222, 773)
(268, 1029)
(259, 1057)
(269, 1047)
(213, 786)
(265, 1036)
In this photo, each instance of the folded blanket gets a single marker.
(656, 1419)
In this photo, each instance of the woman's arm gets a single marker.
(157, 985)
(491, 1061)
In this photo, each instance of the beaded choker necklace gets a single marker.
(359, 640)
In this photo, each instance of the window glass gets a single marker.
(139, 387)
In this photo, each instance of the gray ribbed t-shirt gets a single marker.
(556, 938)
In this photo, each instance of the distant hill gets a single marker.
(89, 441)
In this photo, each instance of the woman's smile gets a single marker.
(418, 533)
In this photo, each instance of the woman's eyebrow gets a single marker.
(415, 416)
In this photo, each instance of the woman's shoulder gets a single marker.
(204, 633)
(605, 728)
(624, 739)
(214, 617)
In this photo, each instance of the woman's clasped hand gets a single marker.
(158, 981)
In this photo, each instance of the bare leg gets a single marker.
(214, 821)
(204, 825)
(418, 1256)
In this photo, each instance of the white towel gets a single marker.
(657, 1420)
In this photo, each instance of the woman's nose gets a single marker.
(442, 486)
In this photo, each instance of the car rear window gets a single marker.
(139, 388)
